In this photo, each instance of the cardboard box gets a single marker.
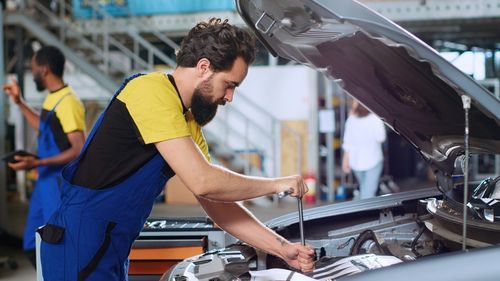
(177, 193)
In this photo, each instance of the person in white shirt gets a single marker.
(363, 137)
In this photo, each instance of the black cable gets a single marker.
(414, 242)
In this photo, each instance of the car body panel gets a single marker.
(418, 94)
(458, 266)
(343, 208)
(397, 76)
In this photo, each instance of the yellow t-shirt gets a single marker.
(147, 110)
(69, 115)
(156, 108)
(70, 110)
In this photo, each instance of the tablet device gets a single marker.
(10, 156)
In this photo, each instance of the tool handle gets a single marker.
(285, 193)
(301, 221)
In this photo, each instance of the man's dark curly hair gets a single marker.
(53, 58)
(219, 42)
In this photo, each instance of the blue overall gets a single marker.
(89, 237)
(46, 195)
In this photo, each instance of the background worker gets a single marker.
(150, 133)
(363, 137)
(60, 126)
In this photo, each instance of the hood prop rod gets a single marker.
(466, 103)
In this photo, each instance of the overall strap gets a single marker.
(43, 122)
(51, 112)
(59, 101)
(98, 122)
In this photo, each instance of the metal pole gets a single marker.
(313, 133)
(496, 92)
(343, 113)
(466, 103)
(20, 57)
(3, 180)
(20, 130)
(330, 156)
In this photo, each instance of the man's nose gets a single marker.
(229, 95)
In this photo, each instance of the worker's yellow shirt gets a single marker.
(69, 115)
(146, 111)
(158, 111)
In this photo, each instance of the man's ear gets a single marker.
(203, 66)
(44, 70)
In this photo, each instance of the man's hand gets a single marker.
(13, 91)
(346, 168)
(299, 257)
(24, 163)
(293, 186)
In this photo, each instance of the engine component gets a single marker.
(332, 268)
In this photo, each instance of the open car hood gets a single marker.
(405, 82)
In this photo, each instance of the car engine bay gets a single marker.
(353, 242)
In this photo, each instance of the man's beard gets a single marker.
(202, 107)
(38, 82)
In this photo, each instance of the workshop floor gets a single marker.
(262, 209)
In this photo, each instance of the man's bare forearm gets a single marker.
(242, 224)
(217, 183)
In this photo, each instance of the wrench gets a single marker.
(301, 221)
(301, 214)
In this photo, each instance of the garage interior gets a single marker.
(105, 41)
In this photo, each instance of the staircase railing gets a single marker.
(248, 128)
(114, 58)
(235, 126)
(136, 23)
(246, 136)
(48, 38)
(68, 31)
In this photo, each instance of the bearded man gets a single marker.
(151, 133)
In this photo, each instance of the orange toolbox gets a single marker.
(164, 242)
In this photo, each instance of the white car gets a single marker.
(415, 235)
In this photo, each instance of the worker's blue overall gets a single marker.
(90, 236)
(46, 196)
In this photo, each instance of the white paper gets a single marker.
(326, 121)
